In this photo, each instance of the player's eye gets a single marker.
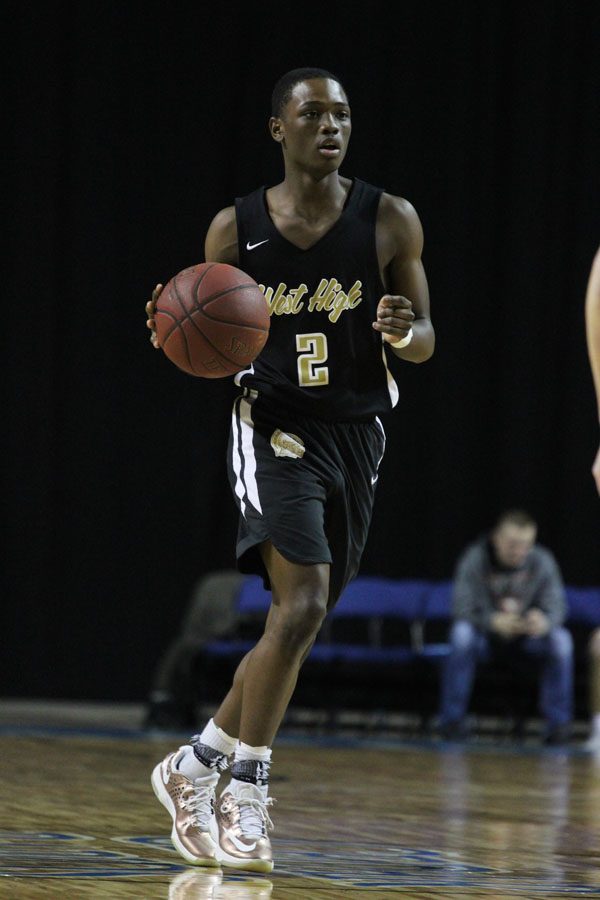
(311, 113)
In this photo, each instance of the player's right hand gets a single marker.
(150, 323)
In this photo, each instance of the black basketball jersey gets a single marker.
(322, 357)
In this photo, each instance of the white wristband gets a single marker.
(404, 342)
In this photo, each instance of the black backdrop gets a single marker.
(129, 125)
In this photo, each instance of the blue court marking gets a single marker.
(57, 855)
(344, 865)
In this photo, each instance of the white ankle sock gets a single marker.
(218, 739)
(245, 751)
(191, 767)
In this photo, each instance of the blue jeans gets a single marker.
(469, 645)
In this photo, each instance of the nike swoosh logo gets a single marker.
(250, 246)
(243, 848)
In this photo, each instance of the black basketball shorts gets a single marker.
(306, 485)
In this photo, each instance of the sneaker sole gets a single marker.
(234, 862)
(248, 865)
(163, 797)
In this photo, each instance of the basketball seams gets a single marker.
(183, 303)
(178, 323)
(187, 348)
(169, 315)
(195, 288)
(236, 287)
(190, 318)
(227, 322)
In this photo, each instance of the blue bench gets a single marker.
(424, 606)
(368, 600)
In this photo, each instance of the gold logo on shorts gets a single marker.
(287, 444)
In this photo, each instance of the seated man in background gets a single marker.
(508, 597)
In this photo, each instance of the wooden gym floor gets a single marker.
(354, 818)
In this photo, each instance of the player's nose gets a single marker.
(329, 124)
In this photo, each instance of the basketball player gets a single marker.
(340, 265)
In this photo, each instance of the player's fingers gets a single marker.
(396, 300)
(394, 322)
(395, 333)
(404, 321)
(156, 291)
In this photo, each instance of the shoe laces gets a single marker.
(198, 798)
(255, 821)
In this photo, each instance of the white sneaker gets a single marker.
(191, 806)
(240, 828)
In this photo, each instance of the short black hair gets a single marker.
(518, 517)
(286, 84)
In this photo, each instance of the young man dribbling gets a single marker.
(340, 265)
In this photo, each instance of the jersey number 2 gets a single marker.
(313, 352)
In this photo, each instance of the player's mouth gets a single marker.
(330, 148)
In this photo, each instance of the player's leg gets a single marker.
(229, 712)
(185, 781)
(268, 679)
(300, 594)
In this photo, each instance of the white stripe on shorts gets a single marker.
(376, 476)
(391, 384)
(246, 487)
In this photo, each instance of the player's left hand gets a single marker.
(394, 318)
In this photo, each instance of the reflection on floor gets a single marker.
(371, 815)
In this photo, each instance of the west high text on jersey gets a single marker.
(329, 296)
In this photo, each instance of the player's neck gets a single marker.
(311, 199)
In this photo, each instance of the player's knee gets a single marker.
(300, 620)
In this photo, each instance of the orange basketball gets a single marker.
(212, 320)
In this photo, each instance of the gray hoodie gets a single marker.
(481, 583)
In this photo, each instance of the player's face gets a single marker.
(512, 544)
(315, 126)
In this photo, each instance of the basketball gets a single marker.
(212, 320)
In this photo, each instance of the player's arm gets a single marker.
(220, 246)
(592, 327)
(406, 305)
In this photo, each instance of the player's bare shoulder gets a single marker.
(221, 244)
(399, 231)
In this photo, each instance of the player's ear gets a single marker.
(276, 129)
